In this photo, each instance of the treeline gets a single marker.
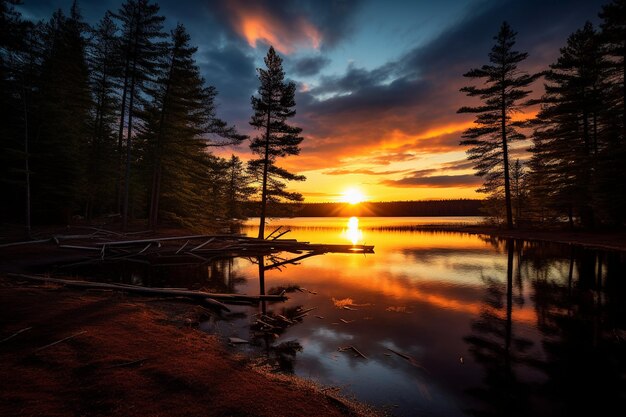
(462, 207)
(113, 119)
(576, 169)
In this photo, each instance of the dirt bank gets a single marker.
(131, 357)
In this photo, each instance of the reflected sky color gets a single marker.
(352, 232)
(434, 296)
(475, 321)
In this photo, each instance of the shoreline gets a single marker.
(69, 352)
(135, 349)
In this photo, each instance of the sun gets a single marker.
(352, 196)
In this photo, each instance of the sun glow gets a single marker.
(353, 233)
(353, 196)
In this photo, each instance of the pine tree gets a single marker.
(62, 126)
(238, 188)
(489, 140)
(182, 125)
(272, 107)
(104, 71)
(566, 141)
(17, 64)
(612, 175)
(140, 51)
(518, 189)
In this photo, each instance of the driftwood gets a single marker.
(290, 261)
(205, 297)
(409, 359)
(6, 339)
(181, 248)
(275, 230)
(28, 242)
(59, 341)
(203, 244)
(129, 363)
(352, 348)
(280, 234)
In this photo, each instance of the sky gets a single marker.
(377, 81)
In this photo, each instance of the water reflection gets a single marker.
(352, 232)
(483, 326)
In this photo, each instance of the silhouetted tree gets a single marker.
(238, 188)
(64, 99)
(504, 87)
(518, 189)
(19, 58)
(612, 175)
(182, 125)
(140, 52)
(104, 73)
(566, 141)
(272, 107)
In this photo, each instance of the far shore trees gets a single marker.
(504, 86)
(272, 107)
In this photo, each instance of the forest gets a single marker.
(115, 120)
(574, 169)
(111, 120)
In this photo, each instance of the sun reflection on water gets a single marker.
(352, 232)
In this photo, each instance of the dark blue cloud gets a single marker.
(435, 181)
(308, 66)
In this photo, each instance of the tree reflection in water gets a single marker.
(578, 312)
(269, 324)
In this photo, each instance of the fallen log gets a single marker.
(352, 348)
(6, 339)
(59, 341)
(202, 296)
(28, 242)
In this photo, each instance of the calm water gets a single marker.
(476, 326)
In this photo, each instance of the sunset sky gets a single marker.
(377, 81)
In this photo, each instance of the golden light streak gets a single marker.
(353, 233)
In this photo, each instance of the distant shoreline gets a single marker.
(606, 240)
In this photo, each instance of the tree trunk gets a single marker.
(265, 167)
(120, 137)
(156, 175)
(128, 146)
(505, 161)
(26, 166)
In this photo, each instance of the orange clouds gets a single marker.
(260, 25)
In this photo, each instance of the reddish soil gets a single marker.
(181, 372)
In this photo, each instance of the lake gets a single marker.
(432, 323)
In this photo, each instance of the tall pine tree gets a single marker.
(182, 124)
(62, 126)
(19, 58)
(612, 175)
(505, 86)
(104, 73)
(272, 107)
(566, 142)
(140, 51)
